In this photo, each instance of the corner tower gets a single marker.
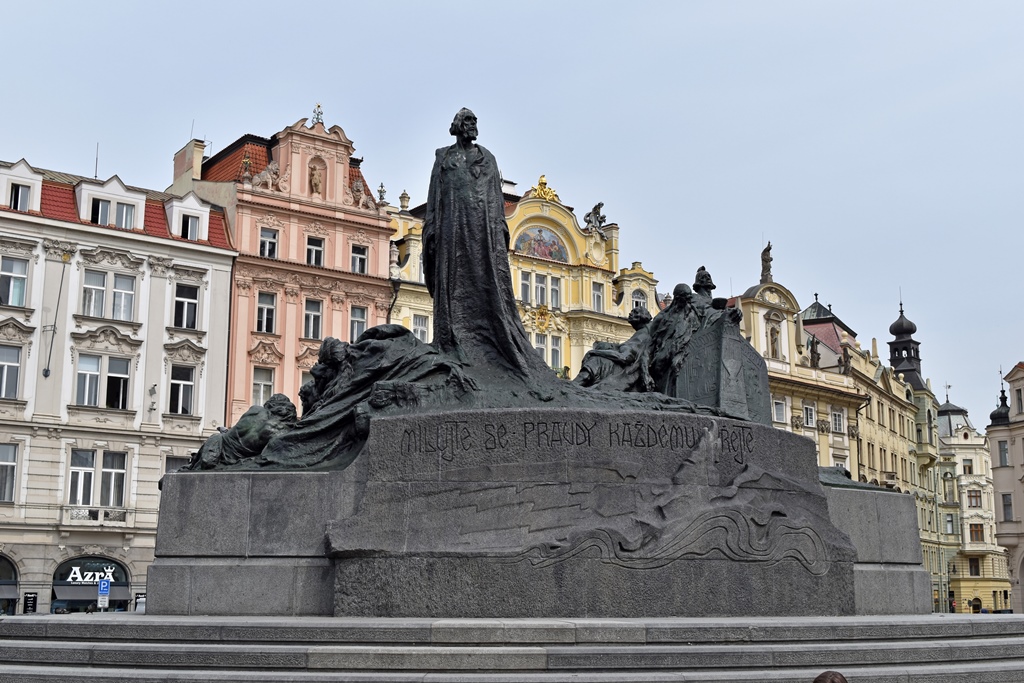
(905, 351)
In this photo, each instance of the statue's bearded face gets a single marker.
(468, 126)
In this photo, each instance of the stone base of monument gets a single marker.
(523, 513)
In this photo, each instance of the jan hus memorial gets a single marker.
(463, 478)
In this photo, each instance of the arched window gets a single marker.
(8, 586)
(76, 582)
(639, 299)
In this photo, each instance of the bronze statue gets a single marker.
(465, 258)
(766, 264)
(246, 439)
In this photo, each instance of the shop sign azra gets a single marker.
(78, 576)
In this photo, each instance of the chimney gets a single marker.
(188, 162)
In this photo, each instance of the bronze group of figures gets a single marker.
(481, 356)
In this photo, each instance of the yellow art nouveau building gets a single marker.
(569, 286)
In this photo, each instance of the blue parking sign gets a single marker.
(104, 587)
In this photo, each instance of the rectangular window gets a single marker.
(268, 243)
(314, 251)
(974, 566)
(779, 411)
(1020, 401)
(93, 292)
(125, 216)
(421, 327)
(189, 227)
(1007, 507)
(977, 533)
(19, 197)
(541, 290)
(949, 524)
(881, 414)
(837, 422)
(117, 383)
(124, 297)
(357, 322)
(359, 258)
(182, 385)
(186, 306)
(974, 498)
(10, 369)
(540, 342)
(112, 479)
(8, 462)
(809, 417)
(597, 297)
(968, 466)
(311, 322)
(524, 287)
(262, 385)
(266, 304)
(1004, 454)
(871, 455)
(100, 212)
(13, 281)
(83, 464)
(174, 463)
(88, 381)
(556, 353)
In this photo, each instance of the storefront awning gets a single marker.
(89, 592)
(8, 591)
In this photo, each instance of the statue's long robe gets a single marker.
(466, 266)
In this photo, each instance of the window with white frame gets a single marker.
(360, 255)
(1004, 454)
(8, 463)
(639, 299)
(268, 242)
(540, 288)
(189, 227)
(597, 297)
(315, 251)
(556, 352)
(262, 385)
(182, 388)
(13, 281)
(838, 421)
(421, 327)
(974, 498)
(809, 416)
(100, 214)
(125, 216)
(556, 293)
(83, 465)
(1007, 498)
(524, 287)
(112, 479)
(779, 411)
(357, 322)
(265, 308)
(20, 194)
(540, 342)
(312, 319)
(122, 295)
(113, 469)
(186, 306)
(10, 369)
(108, 377)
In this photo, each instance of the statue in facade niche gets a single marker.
(315, 180)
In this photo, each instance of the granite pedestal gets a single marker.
(516, 513)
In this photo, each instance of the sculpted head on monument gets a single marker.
(638, 317)
(464, 125)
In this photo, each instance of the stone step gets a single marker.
(985, 672)
(503, 658)
(113, 627)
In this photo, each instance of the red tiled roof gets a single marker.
(827, 333)
(229, 168)
(355, 174)
(58, 201)
(218, 233)
(156, 220)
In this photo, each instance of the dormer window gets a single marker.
(189, 227)
(125, 216)
(100, 212)
(20, 197)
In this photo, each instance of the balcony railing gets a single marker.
(96, 516)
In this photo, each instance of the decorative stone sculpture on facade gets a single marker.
(595, 219)
(268, 177)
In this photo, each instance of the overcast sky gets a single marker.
(878, 145)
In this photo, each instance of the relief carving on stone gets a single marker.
(18, 247)
(797, 421)
(59, 250)
(160, 265)
(183, 274)
(12, 331)
(284, 182)
(360, 238)
(114, 258)
(105, 339)
(316, 228)
(266, 353)
(307, 358)
(270, 220)
(824, 426)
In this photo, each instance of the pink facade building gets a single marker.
(313, 248)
